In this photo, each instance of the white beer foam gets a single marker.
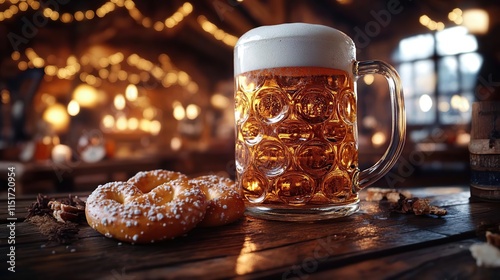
(293, 44)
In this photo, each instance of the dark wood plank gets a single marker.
(448, 261)
(255, 248)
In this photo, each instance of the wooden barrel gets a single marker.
(484, 149)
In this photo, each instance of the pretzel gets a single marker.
(225, 205)
(143, 212)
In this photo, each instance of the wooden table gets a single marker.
(373, 244)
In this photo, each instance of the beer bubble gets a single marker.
(337, 186)
(336, 83)
(271, 105)
(294, 132)
(252, 131)
(290, 84)
(271, 158)
(249, 84)
(316, 157)
(334, 131)
(241, 107)
(254, 186)
(314, 104)
(295, 187)
(347, 106)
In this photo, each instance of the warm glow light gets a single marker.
(5, 96)
(155, 127)
(425, 103)
(144, 125)
(175, 143)
(149, 113)
(369, 79)
(246, 262)
(431, 24)
(133, 123)
(73, 108)
(121, 123)
(119, 102)
(476, 21)
(131, 92)
(57, 117)
(108, 121)
(86, 95)
(460, 103)
(192, 111)
(179, 112)
(463, 138)
(219, 101)
(424, 20)
(218, 34)
(378, 139)
(61, 154)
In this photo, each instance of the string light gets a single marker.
(431, 24)
(164, 72)
(108, 68)
(217, 33)
(456, 16)
(21, 6)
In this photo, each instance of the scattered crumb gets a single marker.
(402, 201)
(392, 195)
(485, 254)
(417, 206)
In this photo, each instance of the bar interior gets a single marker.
(96, 91)
(150, 85)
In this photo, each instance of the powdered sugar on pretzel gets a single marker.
(124, 211)
(225, 204)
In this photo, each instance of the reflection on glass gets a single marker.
(448, 74)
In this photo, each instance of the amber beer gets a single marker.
(296, 132)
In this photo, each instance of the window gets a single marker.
(439, 74)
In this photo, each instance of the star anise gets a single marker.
(39, 207)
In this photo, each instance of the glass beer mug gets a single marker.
(296, 145)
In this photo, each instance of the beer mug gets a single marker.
(296, 149)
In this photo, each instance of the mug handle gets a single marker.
(398, 129)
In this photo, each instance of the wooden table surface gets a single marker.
(374, 243)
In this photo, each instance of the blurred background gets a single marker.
(94, 91)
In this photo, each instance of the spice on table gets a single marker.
(58, 219)
(418, 206)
